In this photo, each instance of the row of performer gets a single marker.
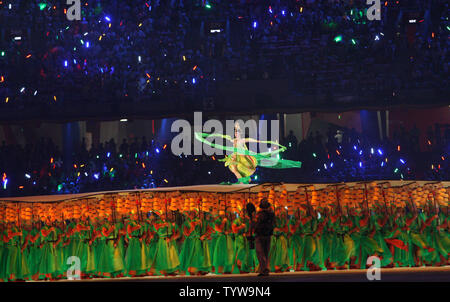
(194, 242)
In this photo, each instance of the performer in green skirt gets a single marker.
(279, 253)
(223, 249)
(166, 256)
(135, 258)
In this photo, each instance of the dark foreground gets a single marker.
(422, 274)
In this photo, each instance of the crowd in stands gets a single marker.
(151, 49)
(43, 168)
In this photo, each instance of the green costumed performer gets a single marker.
(205, 230)
(47, 266)
(166, 257)
(245, 259)
(416, 241)
(382, 220)
(313, 254)
(223, 249)
(279, 253)
(368, 245)
(349, 228)
(149, 242)
(437, 238)
(58, 245)
(110, 262)
(332, 241)
(17, 261)
(309, 245)
(295, 241)
(243, 162)
(442, 236)
(70, 243)
(86, 249)
(34, 254)
(398, 240)
(3, 276)
(7, 250)
(193, 254)
(212, 235)
(237, 232)
(135, 258)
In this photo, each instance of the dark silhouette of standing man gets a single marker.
(265, 220)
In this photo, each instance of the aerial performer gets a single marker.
(243, 162)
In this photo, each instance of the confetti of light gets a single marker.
(360, 164)
(5, 181)
(255, 24)
(314, 155)
(338, 39)
(27, 176)
(96, 176)
(157, 150)
(380, 152)
(402, 161)
(108, 19)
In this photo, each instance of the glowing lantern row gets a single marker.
(371, 194)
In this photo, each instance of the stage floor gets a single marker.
(414, 274)
(250, 188)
